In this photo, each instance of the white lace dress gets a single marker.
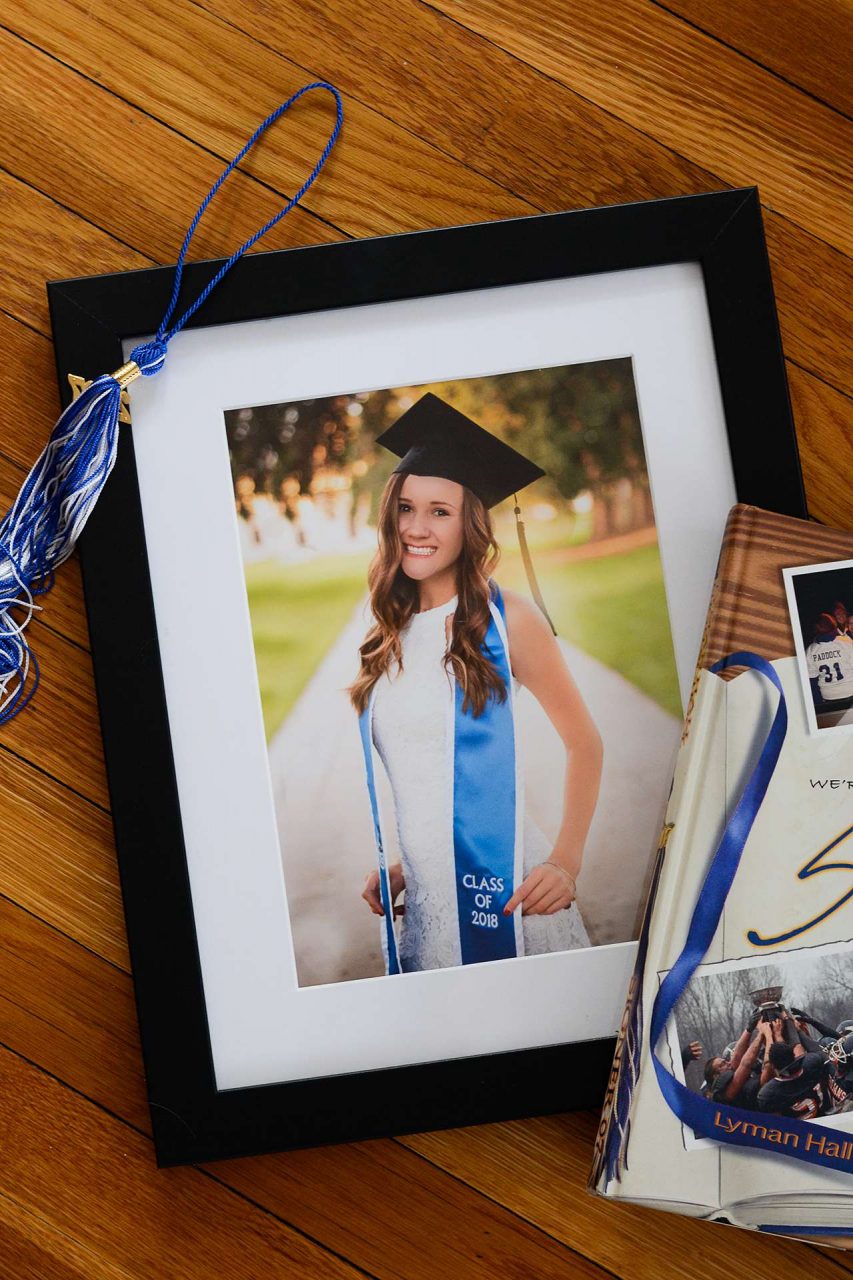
(410, 731)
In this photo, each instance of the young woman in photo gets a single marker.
(436, 702)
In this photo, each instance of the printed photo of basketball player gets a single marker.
(823, 632)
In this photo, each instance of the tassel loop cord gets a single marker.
(164, 335)
(40, 530)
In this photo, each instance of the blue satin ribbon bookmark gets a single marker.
(733, 1125)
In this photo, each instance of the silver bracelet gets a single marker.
(565, 872)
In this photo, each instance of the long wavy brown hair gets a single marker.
(394, 599)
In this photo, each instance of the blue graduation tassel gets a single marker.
(40, 530)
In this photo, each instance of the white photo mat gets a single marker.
(263, 1027)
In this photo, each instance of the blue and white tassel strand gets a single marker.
(40, 530)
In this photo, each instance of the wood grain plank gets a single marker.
(32, 1249)
(824, 423)
(150, 1222)
(459, 92)
(73, 1013)
(704, 101)
(80, 1025)
(379, 178)
(65, 872)
(416, 1225)
(812, 280)
(28, 391)
(813, 285)
(804, 44)
(62, 1006)
(59, 730)
(44, 108)
(539, 1168)
(537, 137)
(39, 241)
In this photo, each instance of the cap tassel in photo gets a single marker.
(60, 492)
(527, 561)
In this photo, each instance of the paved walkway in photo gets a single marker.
(326, 831)
(615, 545)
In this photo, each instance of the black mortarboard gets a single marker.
(434, 439)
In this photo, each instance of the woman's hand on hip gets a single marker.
(549, 888)
(372, 893)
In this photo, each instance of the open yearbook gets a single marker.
(731, 1096)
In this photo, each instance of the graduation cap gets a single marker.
(434, 439)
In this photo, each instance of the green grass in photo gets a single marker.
(297, 612)
(566, 529)
(613, 607)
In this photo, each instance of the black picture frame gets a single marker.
(192, 1120)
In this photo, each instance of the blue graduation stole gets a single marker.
(487, 814)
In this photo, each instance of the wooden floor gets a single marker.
(114, 116)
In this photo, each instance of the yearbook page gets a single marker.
(732, 1093)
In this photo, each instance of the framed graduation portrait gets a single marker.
(395, 596)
